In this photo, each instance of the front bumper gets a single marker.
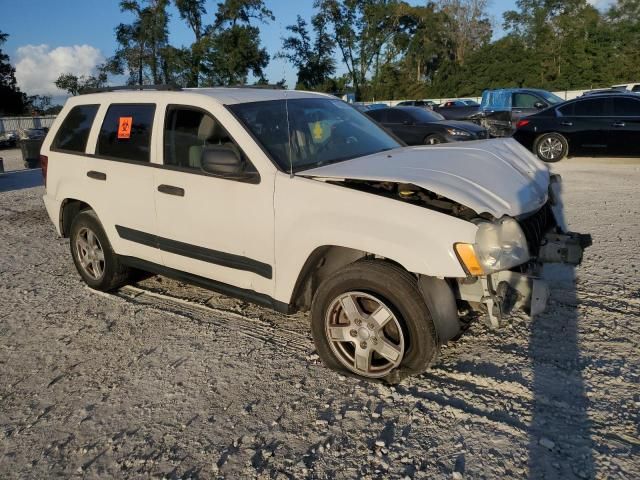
(502, 292)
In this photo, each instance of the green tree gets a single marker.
(233, 43)
(12, 100)
(192, 11)
(142, 43)
(75, 85)
(362, 28)
(312, 57)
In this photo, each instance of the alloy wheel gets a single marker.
(550, 148)
(364, 334)
(90, 253)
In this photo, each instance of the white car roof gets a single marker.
(223, 95)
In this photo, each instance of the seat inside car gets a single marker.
(210, 132)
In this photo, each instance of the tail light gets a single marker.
(522, 123)
(44, 163)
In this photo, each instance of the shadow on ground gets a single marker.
(20, 179)
(560, 443)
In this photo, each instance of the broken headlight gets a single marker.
(501, 245)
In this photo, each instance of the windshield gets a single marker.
(424, 115)
(320, 131)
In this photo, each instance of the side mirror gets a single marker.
(540, 105)
(225, 160)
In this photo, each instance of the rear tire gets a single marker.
(399, 340)
(95, 260)
(434, 139)
(551, 147)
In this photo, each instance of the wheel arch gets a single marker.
(69, 208)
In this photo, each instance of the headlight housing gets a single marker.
(499, 245)
(458, 133)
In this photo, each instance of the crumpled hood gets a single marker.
(497, 176)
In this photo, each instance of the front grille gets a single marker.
(536, 226)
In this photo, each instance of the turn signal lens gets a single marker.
(467, 256)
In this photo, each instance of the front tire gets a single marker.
(551, 147)
(370, 319)
(434, 139)
(95, 260)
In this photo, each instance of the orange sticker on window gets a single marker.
(124, 127)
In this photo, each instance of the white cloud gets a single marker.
(38, 66)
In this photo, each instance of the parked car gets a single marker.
(607, 124)
(631, 87)
(8, 139)
(296, 201)
(417, 126)
(460, 109)
(417, 103)
(370, 106)
(603, 90)
(501, 109)
(33, 133)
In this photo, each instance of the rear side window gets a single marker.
(74, 131)
(626, 107)
(126, 132)
(524, 100)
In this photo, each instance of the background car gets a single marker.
(458, 109)
(33, 133)
(601, 124)
(417, 103)
(370, 106)
(8, 139)
(501, 108)
(631, 87)
(418, 126)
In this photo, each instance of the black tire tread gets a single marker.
(406, 287)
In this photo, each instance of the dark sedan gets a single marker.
(417, 126)
(605, 124)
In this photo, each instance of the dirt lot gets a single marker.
(164, 380)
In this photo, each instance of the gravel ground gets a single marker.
(160, 379)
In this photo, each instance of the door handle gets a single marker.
(96, 175)
(171, 190)
(618, 124)
(566, 124)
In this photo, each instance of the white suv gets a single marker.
(296, 201)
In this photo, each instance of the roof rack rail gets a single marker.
(267, 86)
(174, 88)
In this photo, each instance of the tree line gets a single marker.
(387, 49)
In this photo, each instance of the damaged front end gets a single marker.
(500, 288)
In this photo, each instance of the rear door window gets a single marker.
(397, 116)
(378, 115)
(126, 132)
(593, 107)
(73, 134)
(626, 107)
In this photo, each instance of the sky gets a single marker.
(73, 36)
